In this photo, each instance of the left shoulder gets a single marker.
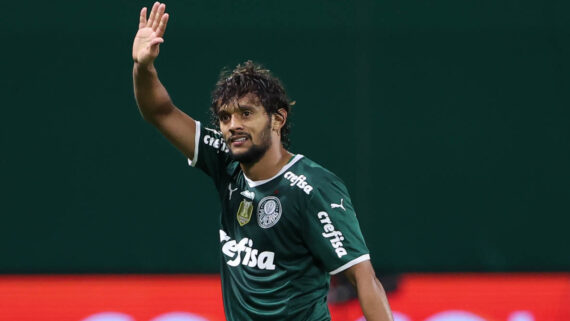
(316, 171)
(313, 178)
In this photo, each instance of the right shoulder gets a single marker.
(211, 137)
(207, 141)
(211, 154)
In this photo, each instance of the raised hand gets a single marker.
(149, 35)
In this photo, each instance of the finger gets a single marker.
(142, 18)
(159, 14)
(152, 15)
(162, 26)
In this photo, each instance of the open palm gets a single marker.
(149, 35)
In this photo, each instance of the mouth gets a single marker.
(238, 140)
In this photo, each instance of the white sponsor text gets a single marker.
(217, 143)
(334, 236)
(299, 181)
(251, 257)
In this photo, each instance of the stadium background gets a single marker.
(449, 123)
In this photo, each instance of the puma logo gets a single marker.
(333, 205)
(231, 190)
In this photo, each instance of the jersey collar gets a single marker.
(252, 183)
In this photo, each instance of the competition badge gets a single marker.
(244, 212)
(268, 211)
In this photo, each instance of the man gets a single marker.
(286, 222)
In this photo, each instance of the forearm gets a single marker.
(151, 96)
(373, 300)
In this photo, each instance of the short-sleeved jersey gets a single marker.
(280, 238)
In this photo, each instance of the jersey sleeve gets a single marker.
(211, 154)
(332, 231)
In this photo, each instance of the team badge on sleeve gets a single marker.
(268, 211)
(244, 212)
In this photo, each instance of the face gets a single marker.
(246, 127)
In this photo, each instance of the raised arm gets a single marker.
(152, 98)
(370, 292)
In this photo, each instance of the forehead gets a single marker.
(250, 100)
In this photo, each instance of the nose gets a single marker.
(235, 123)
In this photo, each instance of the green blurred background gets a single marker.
(448, 121)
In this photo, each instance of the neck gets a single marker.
(269, 164)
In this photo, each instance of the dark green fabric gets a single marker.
(280, 238)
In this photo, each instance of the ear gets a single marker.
(278, 120)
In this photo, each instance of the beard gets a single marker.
(256, 151)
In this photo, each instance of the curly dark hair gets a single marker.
(250, 77)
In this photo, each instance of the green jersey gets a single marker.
(280, 238)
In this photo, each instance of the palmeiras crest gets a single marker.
(244, 212)
(268, 211)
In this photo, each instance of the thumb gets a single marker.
(156, 41)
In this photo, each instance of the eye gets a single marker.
(246, 113)
(224, 117)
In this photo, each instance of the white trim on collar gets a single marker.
(252, 183)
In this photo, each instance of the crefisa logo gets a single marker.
(300, 181)
(243, 253)
(334, 236)
(216, 142)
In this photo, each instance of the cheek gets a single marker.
(225, 132)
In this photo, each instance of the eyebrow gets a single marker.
(242, 107)
(231, 108)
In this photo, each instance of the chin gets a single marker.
(250, 156)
